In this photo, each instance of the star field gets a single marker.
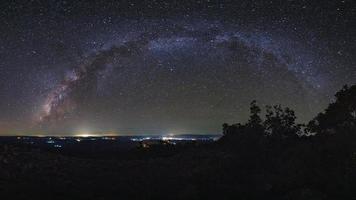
(157, 67)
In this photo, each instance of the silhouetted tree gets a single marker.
(339, 116)
(255, 119)
(281, 122)
(253, 128)
(225, 128)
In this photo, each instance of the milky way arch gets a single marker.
(215, 46)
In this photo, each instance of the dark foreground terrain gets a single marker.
(291, 169)
(273, 158)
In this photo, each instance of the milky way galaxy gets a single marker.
(137, 67)
(61, 100)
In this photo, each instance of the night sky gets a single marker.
(158, 67)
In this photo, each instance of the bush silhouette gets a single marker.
(280, 122)
(339, 116)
